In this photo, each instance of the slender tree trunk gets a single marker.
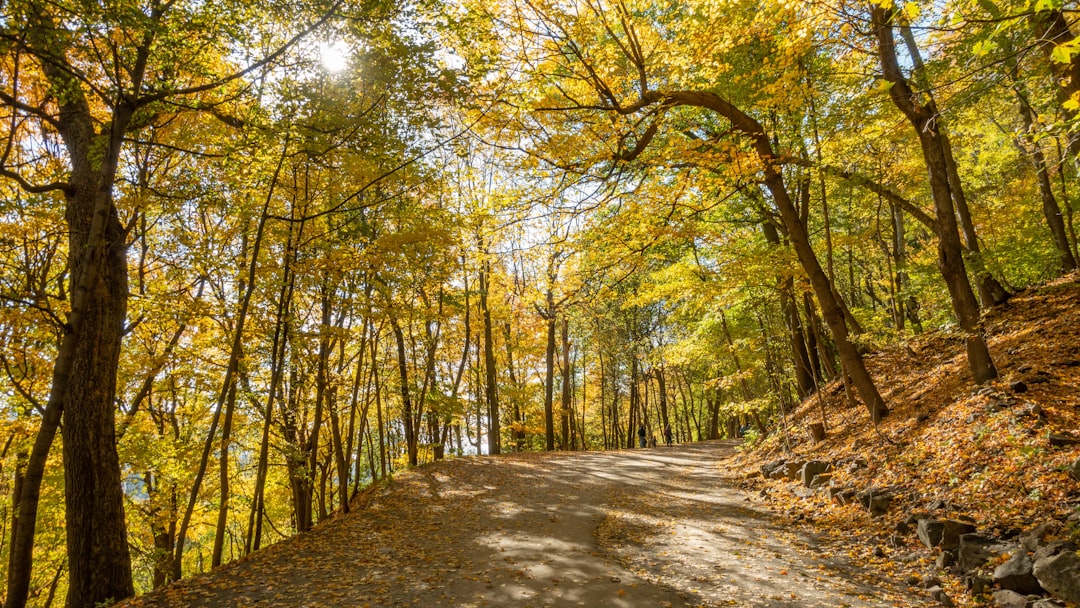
(549, 376)
(406, 403)
(1050, 209)
(923, 118)
(492, 398)
(990, 290)
(565, 410)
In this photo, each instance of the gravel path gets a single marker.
(654, 527)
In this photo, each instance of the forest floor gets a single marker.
(948, 447)
(658, 527)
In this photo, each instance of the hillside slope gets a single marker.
(998, 455)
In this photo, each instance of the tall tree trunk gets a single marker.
(253, 539)
(923, 117)
(990, 290)
(492, 398)
(406, 404)
(565, 410)
(1031, 146)
(549, 376)
(231, 369)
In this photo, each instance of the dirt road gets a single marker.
(652, 527)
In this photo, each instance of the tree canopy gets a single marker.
(257, 257)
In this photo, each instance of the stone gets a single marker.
(975, 550)
(913, 519)
(931, 581)
(1053, 548)
(768, 468)
(1074, 470)
(902, 527)
(812, 468)
(821, 479)
(1033, 539)
(1040, 377)
(976, 584)
(930, 532)
(875, 501)
(1045, 604)
(841, 496)
(939, 594)
(945, 560)
(1059, 440)
(943, 533)
(1016, 574)
(1060, 575)
(791, 469)
(1009, 599)
(1018, 387)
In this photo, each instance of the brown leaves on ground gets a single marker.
(984, 451)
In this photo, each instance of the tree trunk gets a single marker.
(990, 290)
(492, 398)
(923, 117)
(406, 404)
(565, 409)
(549, 376)
(1050, 209)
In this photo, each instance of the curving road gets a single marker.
(653, 527)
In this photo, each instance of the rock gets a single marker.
(1023, 369)
(945, 560)
(812, 468)
(1053, 548)
(1060, 575)
(976, 550)
(768, 468)
(1040, 377)
(937, 504)
(820, 480)
(976, 584)
(1018, 387)
(943, 533)
(1009, 599)
(931, 581)
(842, 496)
(939, 594)
(1074, 470)
(879, 552)
(902, 527)
(802, 492)
(930, 532)
(914, 518)
(1059, 440)
(1045, 604)
(875, 501)
(1034, 538)
(792, 468)
(1016, 574)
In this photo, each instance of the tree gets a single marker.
(923, 116)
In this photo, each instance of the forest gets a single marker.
(258, 256)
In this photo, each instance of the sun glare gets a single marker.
(334, 56)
